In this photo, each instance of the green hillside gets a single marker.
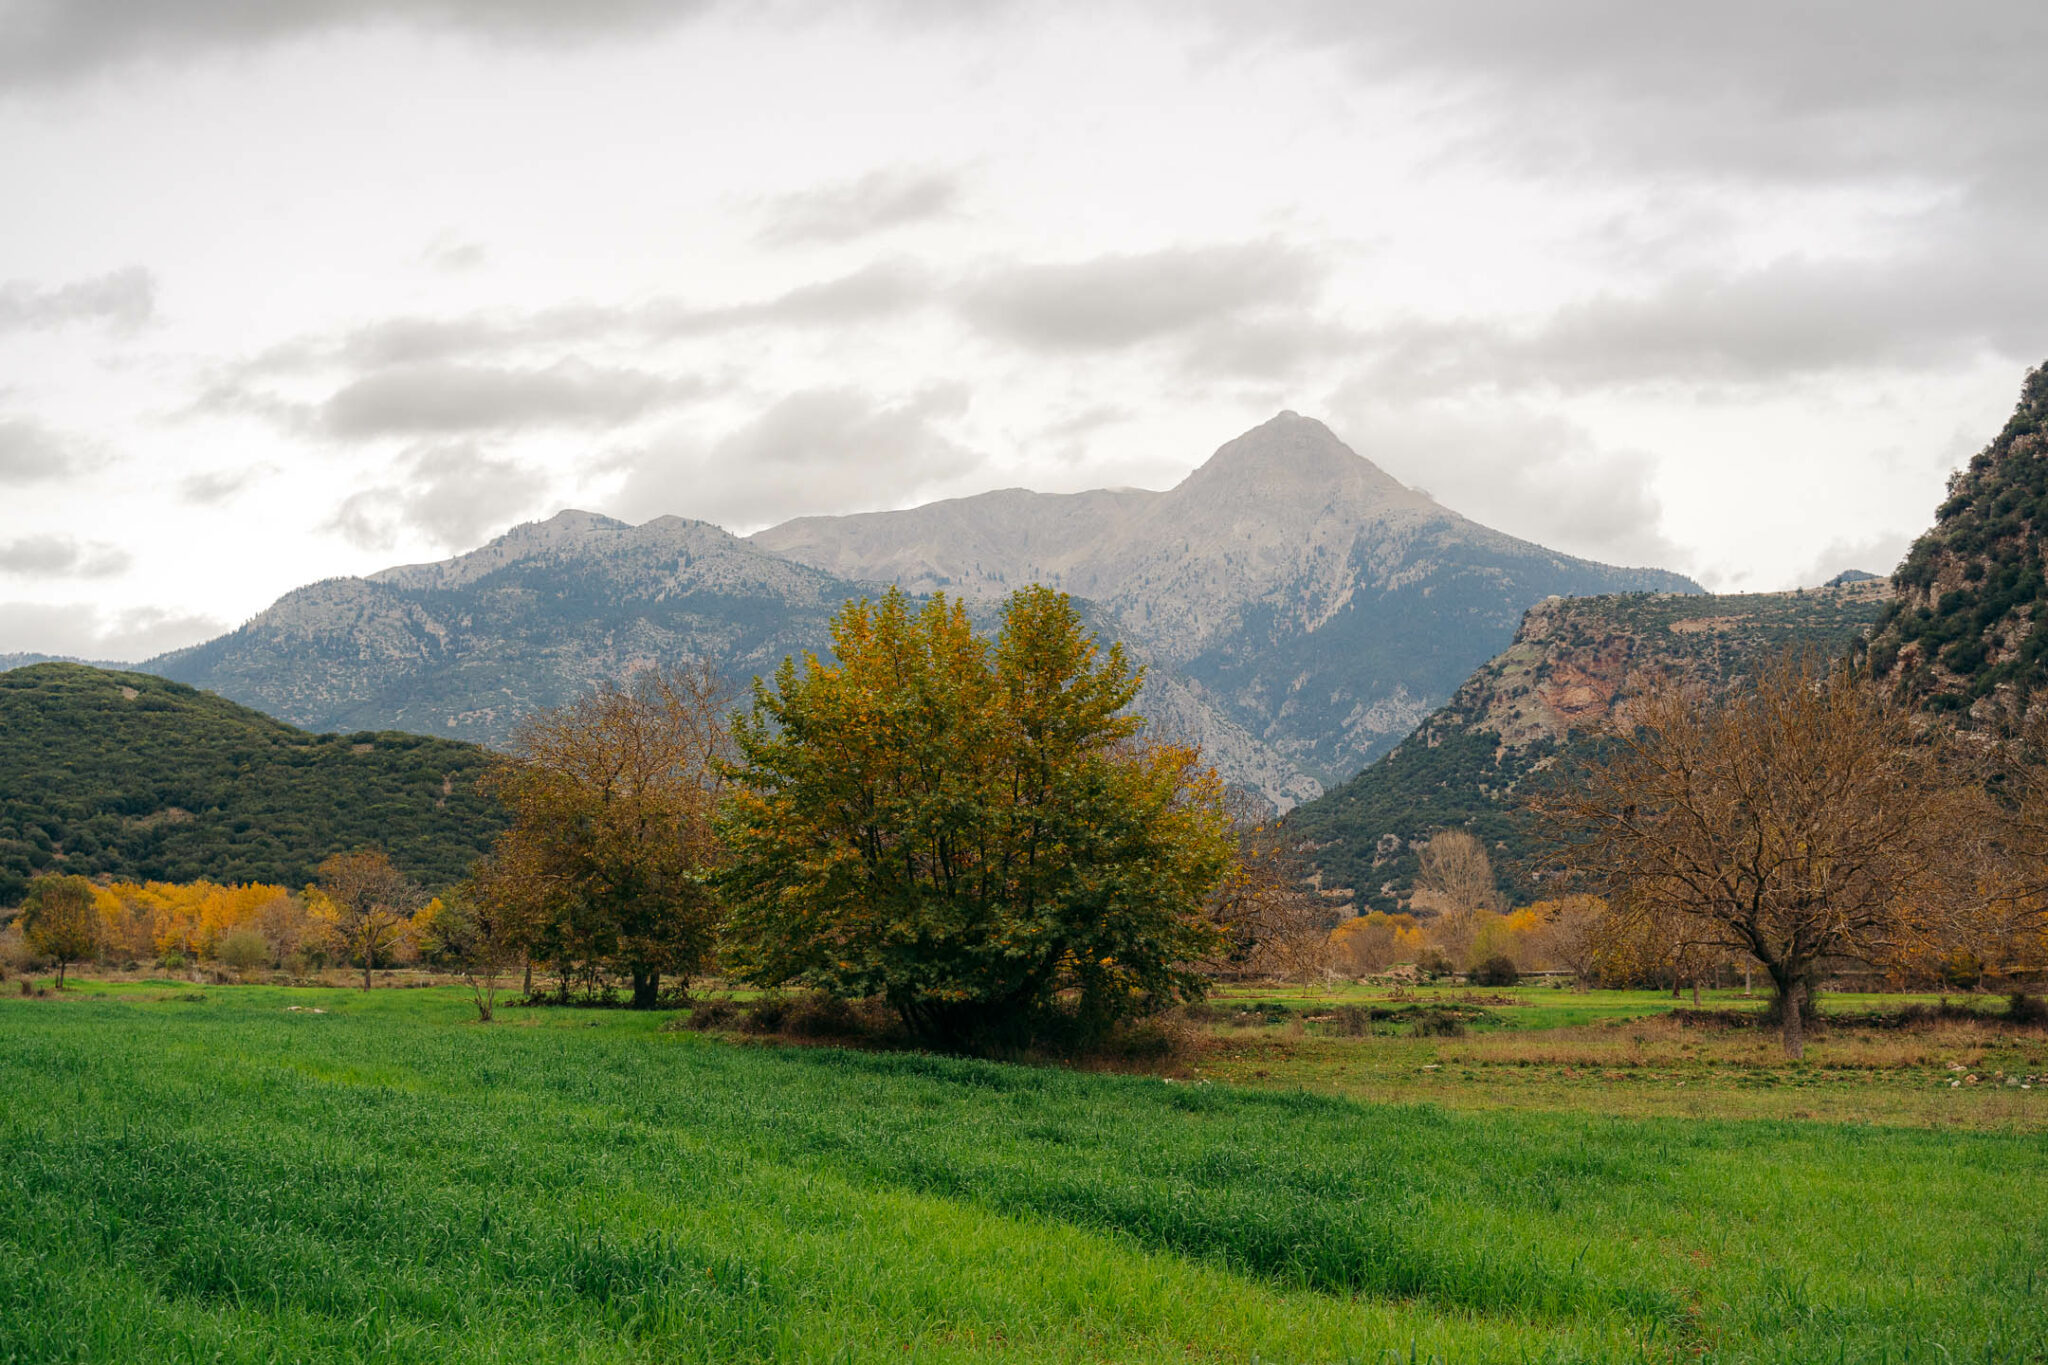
(1530, 707)
(131, 776)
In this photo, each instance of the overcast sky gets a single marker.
(298, 288)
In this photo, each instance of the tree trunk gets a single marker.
(526, 986)
(1695, 990)
(60, 973)
(369, 961)
(1793, 1007)
(646, 988)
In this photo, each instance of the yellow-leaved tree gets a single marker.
(975, 831)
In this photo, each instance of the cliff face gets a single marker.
(1572, 663)
(1968, 632)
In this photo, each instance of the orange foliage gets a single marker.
(155, 919)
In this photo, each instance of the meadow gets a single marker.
(256, 1173)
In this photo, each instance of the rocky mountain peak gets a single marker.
(1297, 461)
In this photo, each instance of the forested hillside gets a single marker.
(1572, 662)
(1967, 626)
(132, 776)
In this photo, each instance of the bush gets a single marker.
(2021, 1008)
(712, 1014)
(1498, 970)
(1431, 1024)
(1433, 964)
(822, 1016)
(768, 1014)
(244, 950)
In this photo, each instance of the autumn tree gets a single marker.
(364, 903)
(1805, 817)
(611, 843)
(60, 921)
(975, 831)
(479, 937)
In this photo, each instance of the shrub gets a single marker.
(2022, 1008)
(1498, 970)
(1434, 964)
(1432, 1024)
(712, 1014)
(822, 1016)
(244, 950)
(768, 1014)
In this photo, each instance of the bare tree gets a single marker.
(1806, 817)
(366, 904)
(1456, 876)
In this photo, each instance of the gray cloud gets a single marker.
(442, 397)
(1123, 300)
(56, 39)
(81, 630)
(1530, 474)
(875, 291)
(217, 486)
(1793, 317)
(125, 298)
(1878, 554)
(60, 556)
(876, 202)
(33, 453)
(452, 494)
(816, 451)
(1753, 88)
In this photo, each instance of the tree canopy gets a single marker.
(976, 831)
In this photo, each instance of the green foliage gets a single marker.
(127, 775)
(224, 1180)
(969, 829)
(1987, 628)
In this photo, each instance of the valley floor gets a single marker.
(254, 1173)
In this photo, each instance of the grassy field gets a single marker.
(1623, 1053)
(210, 1174)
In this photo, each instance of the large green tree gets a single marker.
(976, 832)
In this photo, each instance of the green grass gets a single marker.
(219, 1179)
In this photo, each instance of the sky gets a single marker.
(292, 289)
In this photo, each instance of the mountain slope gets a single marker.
(1968, 630)
(1292, 587)
(467, 646)
(1572, 662)
(132, 776)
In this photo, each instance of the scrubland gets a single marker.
(250, 1173)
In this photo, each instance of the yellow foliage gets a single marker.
(155, 919)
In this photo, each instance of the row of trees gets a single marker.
(361, 911)
(975, 831)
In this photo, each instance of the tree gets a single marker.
(1375, 941)
(479, 937)
(975, 832)
(365, 903)
(1570, 933)
(611, 843)
(59, 920)
(1805, 817)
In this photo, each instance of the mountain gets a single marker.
(1296, 597)
(131, 776)
(467, 646)
(9, 662)
(1571, 664)
(1968, 632)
